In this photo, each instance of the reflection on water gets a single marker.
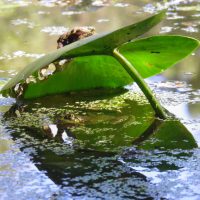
(35, 164)
(105, 123)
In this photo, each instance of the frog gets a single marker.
(74, 35)
(66, 38)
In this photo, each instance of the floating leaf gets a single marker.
(97, 44)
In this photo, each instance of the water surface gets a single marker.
(101, 163)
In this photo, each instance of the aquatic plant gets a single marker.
(108, 60)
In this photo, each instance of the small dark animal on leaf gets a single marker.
(74, 35)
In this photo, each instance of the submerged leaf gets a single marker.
(94, 45)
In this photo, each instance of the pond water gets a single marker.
(92, 156)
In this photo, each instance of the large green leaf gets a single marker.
(82, 73)
(97, 44)
(149, 56)
(153, 55)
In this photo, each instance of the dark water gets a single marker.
(93, 155)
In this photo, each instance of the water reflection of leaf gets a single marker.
(167, 134)
(104, 125)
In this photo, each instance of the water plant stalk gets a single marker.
(141, 83)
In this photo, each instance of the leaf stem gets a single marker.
(141, 83)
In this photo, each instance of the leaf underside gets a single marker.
(82, 73)
(149, 56)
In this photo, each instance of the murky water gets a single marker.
(92, 156)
